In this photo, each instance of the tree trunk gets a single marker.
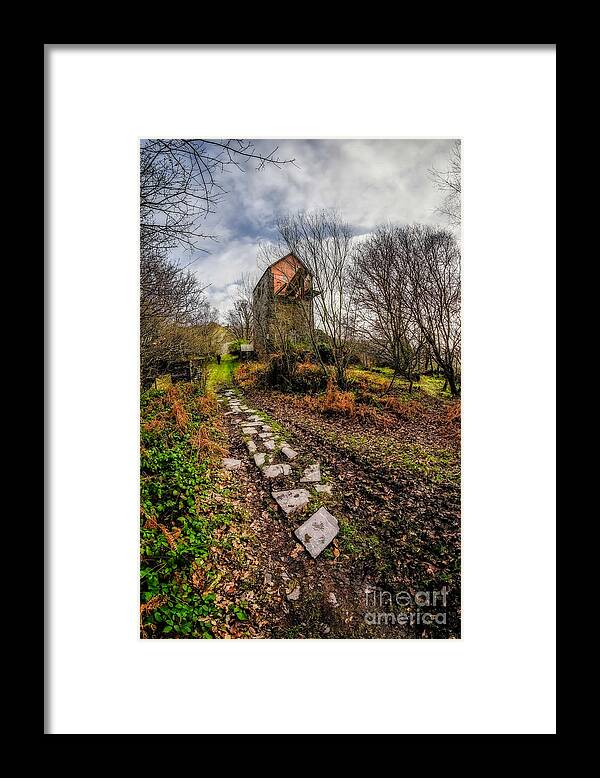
(389, 389)
(455, 391)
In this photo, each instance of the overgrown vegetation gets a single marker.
(186, 507)
(371, 395)
(387, 437)
(396, 478)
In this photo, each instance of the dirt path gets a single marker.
(401, 529)
(398, 533)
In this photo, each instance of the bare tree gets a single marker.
(432, 261)
(174, 314)
(383, 290)
(208, 335)
(322, 241)
(240, 318)
(181, 183)
(449, 182)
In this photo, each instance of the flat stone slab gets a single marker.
(251, 446)
(323, 488)
(270, 445)
(292, 500)
(324, 514)
(274, 471)
(311, 474)
(254, 417)
(266, 428)
(245, 423)
(259, 459)
(249, 430)
(289, 452)
(265, 435)
(317, 532)
(231, 464)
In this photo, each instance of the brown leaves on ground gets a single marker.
(197, 576)
(204, 442)
(153, 604)
(393, 491)
(405, 409)
(150, 522)
(170, 535)
(154, 425)
(453, 419)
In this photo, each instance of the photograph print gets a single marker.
(300, 388)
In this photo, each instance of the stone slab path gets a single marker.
(266, 447)
(294, 571)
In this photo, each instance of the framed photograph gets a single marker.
(293, 291)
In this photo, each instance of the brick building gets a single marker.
(283, 304)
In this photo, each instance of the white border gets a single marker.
(499, 678)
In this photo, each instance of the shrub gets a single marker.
(174, 396)
(453, 419)
(338, 403)
(207, 447)
(154, 427)
(325, 353)
(234, 348)
(250, 374)
(453, 413)
(309, 377)
(207, 405)
(368, 382)
(280, 369)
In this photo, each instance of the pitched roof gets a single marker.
(285, 256)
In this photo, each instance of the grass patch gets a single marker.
(434, 385)
(377, 380)
(439, 465)
(221, 375)
(163, 382)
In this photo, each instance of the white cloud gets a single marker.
(369, 181)
(220, 269)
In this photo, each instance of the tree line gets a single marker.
(394, 294)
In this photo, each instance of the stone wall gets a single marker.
(280, 314)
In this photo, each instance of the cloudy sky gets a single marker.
(369, 181)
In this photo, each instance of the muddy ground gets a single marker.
(394, 569)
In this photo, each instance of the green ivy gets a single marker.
(174, 486)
